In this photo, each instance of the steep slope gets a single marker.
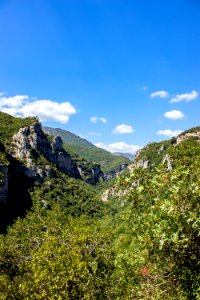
(75, 144)
(160, 216)
(25, 141)
(143, 243)
(28, 159)
(155, 153)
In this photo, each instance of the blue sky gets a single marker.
(120, 73)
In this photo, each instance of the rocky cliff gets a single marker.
(35, 155)
(114, 173)
(154, 154)
(29, 143)
(191, 133)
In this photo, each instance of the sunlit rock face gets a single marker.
(30, 142)
(186, 136)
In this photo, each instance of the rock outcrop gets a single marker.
(29, 143)
(187, 135)
(167, 159)
(91, 175)
(35, 156)
(141, 163)
(114, 173)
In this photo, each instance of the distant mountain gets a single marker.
(75, 144)
(68, 137)
(127, 155)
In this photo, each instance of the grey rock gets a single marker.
(167, 159)
(114, 173)
(31, 139)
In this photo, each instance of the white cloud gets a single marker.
(119, 147)
(174, 115)
(15, 101)
(160, 94)
(185, 97)
(97, 119)
(123, 128)
(46, 110)
(169, 132)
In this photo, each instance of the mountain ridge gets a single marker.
(75, 144)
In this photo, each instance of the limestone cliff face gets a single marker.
(30, 142)
(91, 175)
(167, 159)
(34, 156)
(187, 135)
(114, 173)
(141, 163)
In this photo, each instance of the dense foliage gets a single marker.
(10, 125)
(144, 243)
(154, 153)
(160, 225)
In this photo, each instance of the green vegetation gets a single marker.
(51, 256)
(73, 195)
(10, 125)
(89, 152)
(155, 152)
(3, 159)
(144, 243)
(191, 130)
(160, 221)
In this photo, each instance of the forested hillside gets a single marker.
(75, 144)
(61, 241)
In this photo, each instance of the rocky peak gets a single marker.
(186, 135)
(31, 141)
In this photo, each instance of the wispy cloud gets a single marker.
(94, 133)
(46, 110)
(174, 115)
(187, 97)
(123, 128)
(144, 88)
(160, 94)
(119, 147)
(169, 132)
(98, 119)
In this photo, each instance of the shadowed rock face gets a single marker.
(4, 183)
(116, 172)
